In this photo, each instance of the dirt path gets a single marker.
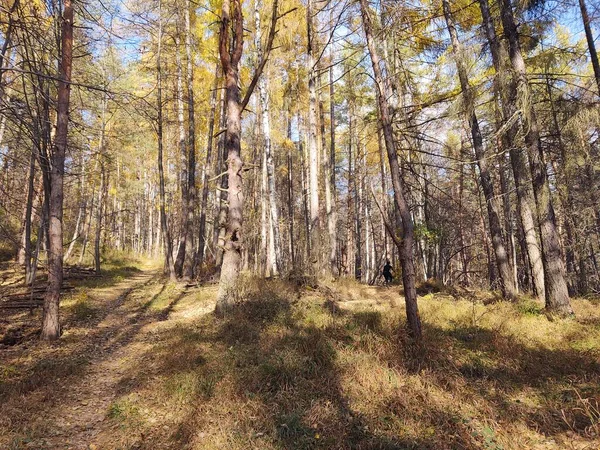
(85, 370)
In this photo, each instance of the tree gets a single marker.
(230, 51)
(507, 285)
(50, 317)
(557, 294)
(406, 243)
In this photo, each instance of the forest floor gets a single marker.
(144, 364)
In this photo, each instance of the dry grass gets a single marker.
(303, 368)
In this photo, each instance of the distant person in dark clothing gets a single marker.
(387, 272)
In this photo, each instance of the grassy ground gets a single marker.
(300, 369)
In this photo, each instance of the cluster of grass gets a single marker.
(286, 370)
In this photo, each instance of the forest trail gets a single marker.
(69, 410)
(142, 364)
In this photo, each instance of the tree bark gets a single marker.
(525, 198)
(183, 150)
(50, 316)
(231, 54)
(313, 153)
(507, 284)
(189, 263)
(557, 295)
(408, 239)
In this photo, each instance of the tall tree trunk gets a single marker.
(290, 192)
(270, 167)
(358, 200)
(408, 239)
(557, 294)
(525, 198)
(188, 265)
(103, 191)
(508, 219)
(565, 197)
(507, 284)
(183, 150)
(305, 195)
(351, 206)
(313, 152)
(330, 191)
(50, 316)
(230, 58)
(264, 236)
(164, 226)
(100, 213)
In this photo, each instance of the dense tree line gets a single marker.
(286, 138)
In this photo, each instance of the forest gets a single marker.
(298, 224)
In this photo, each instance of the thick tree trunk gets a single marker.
(408, 239)
(230, 57)
(232, 252)
(507, 284)
(50, 316)
(557, 295)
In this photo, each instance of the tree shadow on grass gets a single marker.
(269, 376)
(283, 373)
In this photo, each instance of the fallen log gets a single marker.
(36, 303)
(38, 290)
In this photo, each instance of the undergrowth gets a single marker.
(286, 370)
(299, 365)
